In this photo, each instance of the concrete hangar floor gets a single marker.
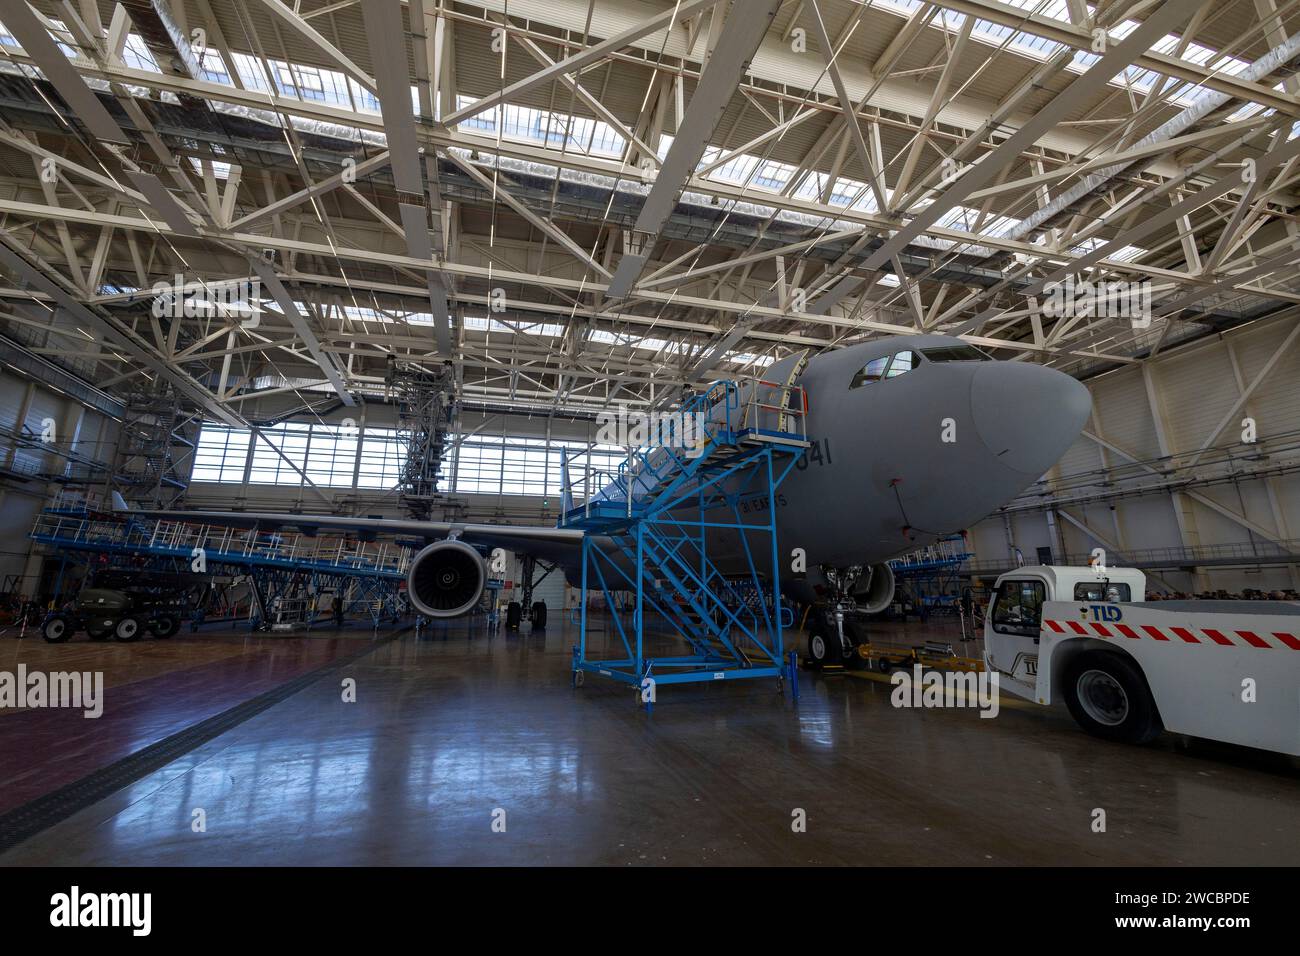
(456, 728)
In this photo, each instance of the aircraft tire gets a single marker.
(1108, 697)
(823, 648)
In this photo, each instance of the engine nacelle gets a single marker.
(446, 579)
(877, 588)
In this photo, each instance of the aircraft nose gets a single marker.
(1028, 415)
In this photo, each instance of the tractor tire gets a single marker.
(1108, 697)
(165, 627)
(57, 628)
(128, 629)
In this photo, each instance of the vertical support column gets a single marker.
(638, 614)
(778, 644)
(704, 543)
(582, 630)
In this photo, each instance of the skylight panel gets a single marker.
(966, 219)
(220, 169)
(136, 54)
(749, 358)
(547, 128)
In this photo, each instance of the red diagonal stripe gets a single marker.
(1054, 626)
(1127, 631)
(1160, 636)
(1288, 639)
(1078, 628)
(1216, 636)
(1100, 629)
(1254, 640)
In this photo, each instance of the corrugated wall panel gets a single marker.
(1198, 390)
(12, 392)
(1276, 403)
(1082, 456)
(1123, 413)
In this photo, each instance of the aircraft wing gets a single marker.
(550, 544)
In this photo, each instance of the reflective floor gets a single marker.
(469, 748)
(152, 689)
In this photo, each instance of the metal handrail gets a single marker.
(726, 412)
(221, 542)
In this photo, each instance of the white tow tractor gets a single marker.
(1126, 668)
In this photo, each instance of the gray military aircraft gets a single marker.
(912, 438)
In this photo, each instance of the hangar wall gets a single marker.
(25, 410)
(1148, 423)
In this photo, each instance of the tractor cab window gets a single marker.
(1018, 607)
(887, 366)
(1107, 591)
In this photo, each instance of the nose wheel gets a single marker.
(825, 649)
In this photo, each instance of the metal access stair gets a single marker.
(652, 528)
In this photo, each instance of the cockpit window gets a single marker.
(956, 353)
(873, 371)
(887, 366)
(903, 362)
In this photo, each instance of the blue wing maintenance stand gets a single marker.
(652, 531)
(281, 569)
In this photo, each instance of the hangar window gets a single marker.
(371, 458)
(331, 456)
(285, 466)
(221, 454)
(382, 453)
(956, 353)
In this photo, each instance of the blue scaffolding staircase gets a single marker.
(933, 573)
(705, 486)
(366, 576)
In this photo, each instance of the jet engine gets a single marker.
(876, 589)
(446, 579)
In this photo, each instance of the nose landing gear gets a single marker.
(830, 643)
